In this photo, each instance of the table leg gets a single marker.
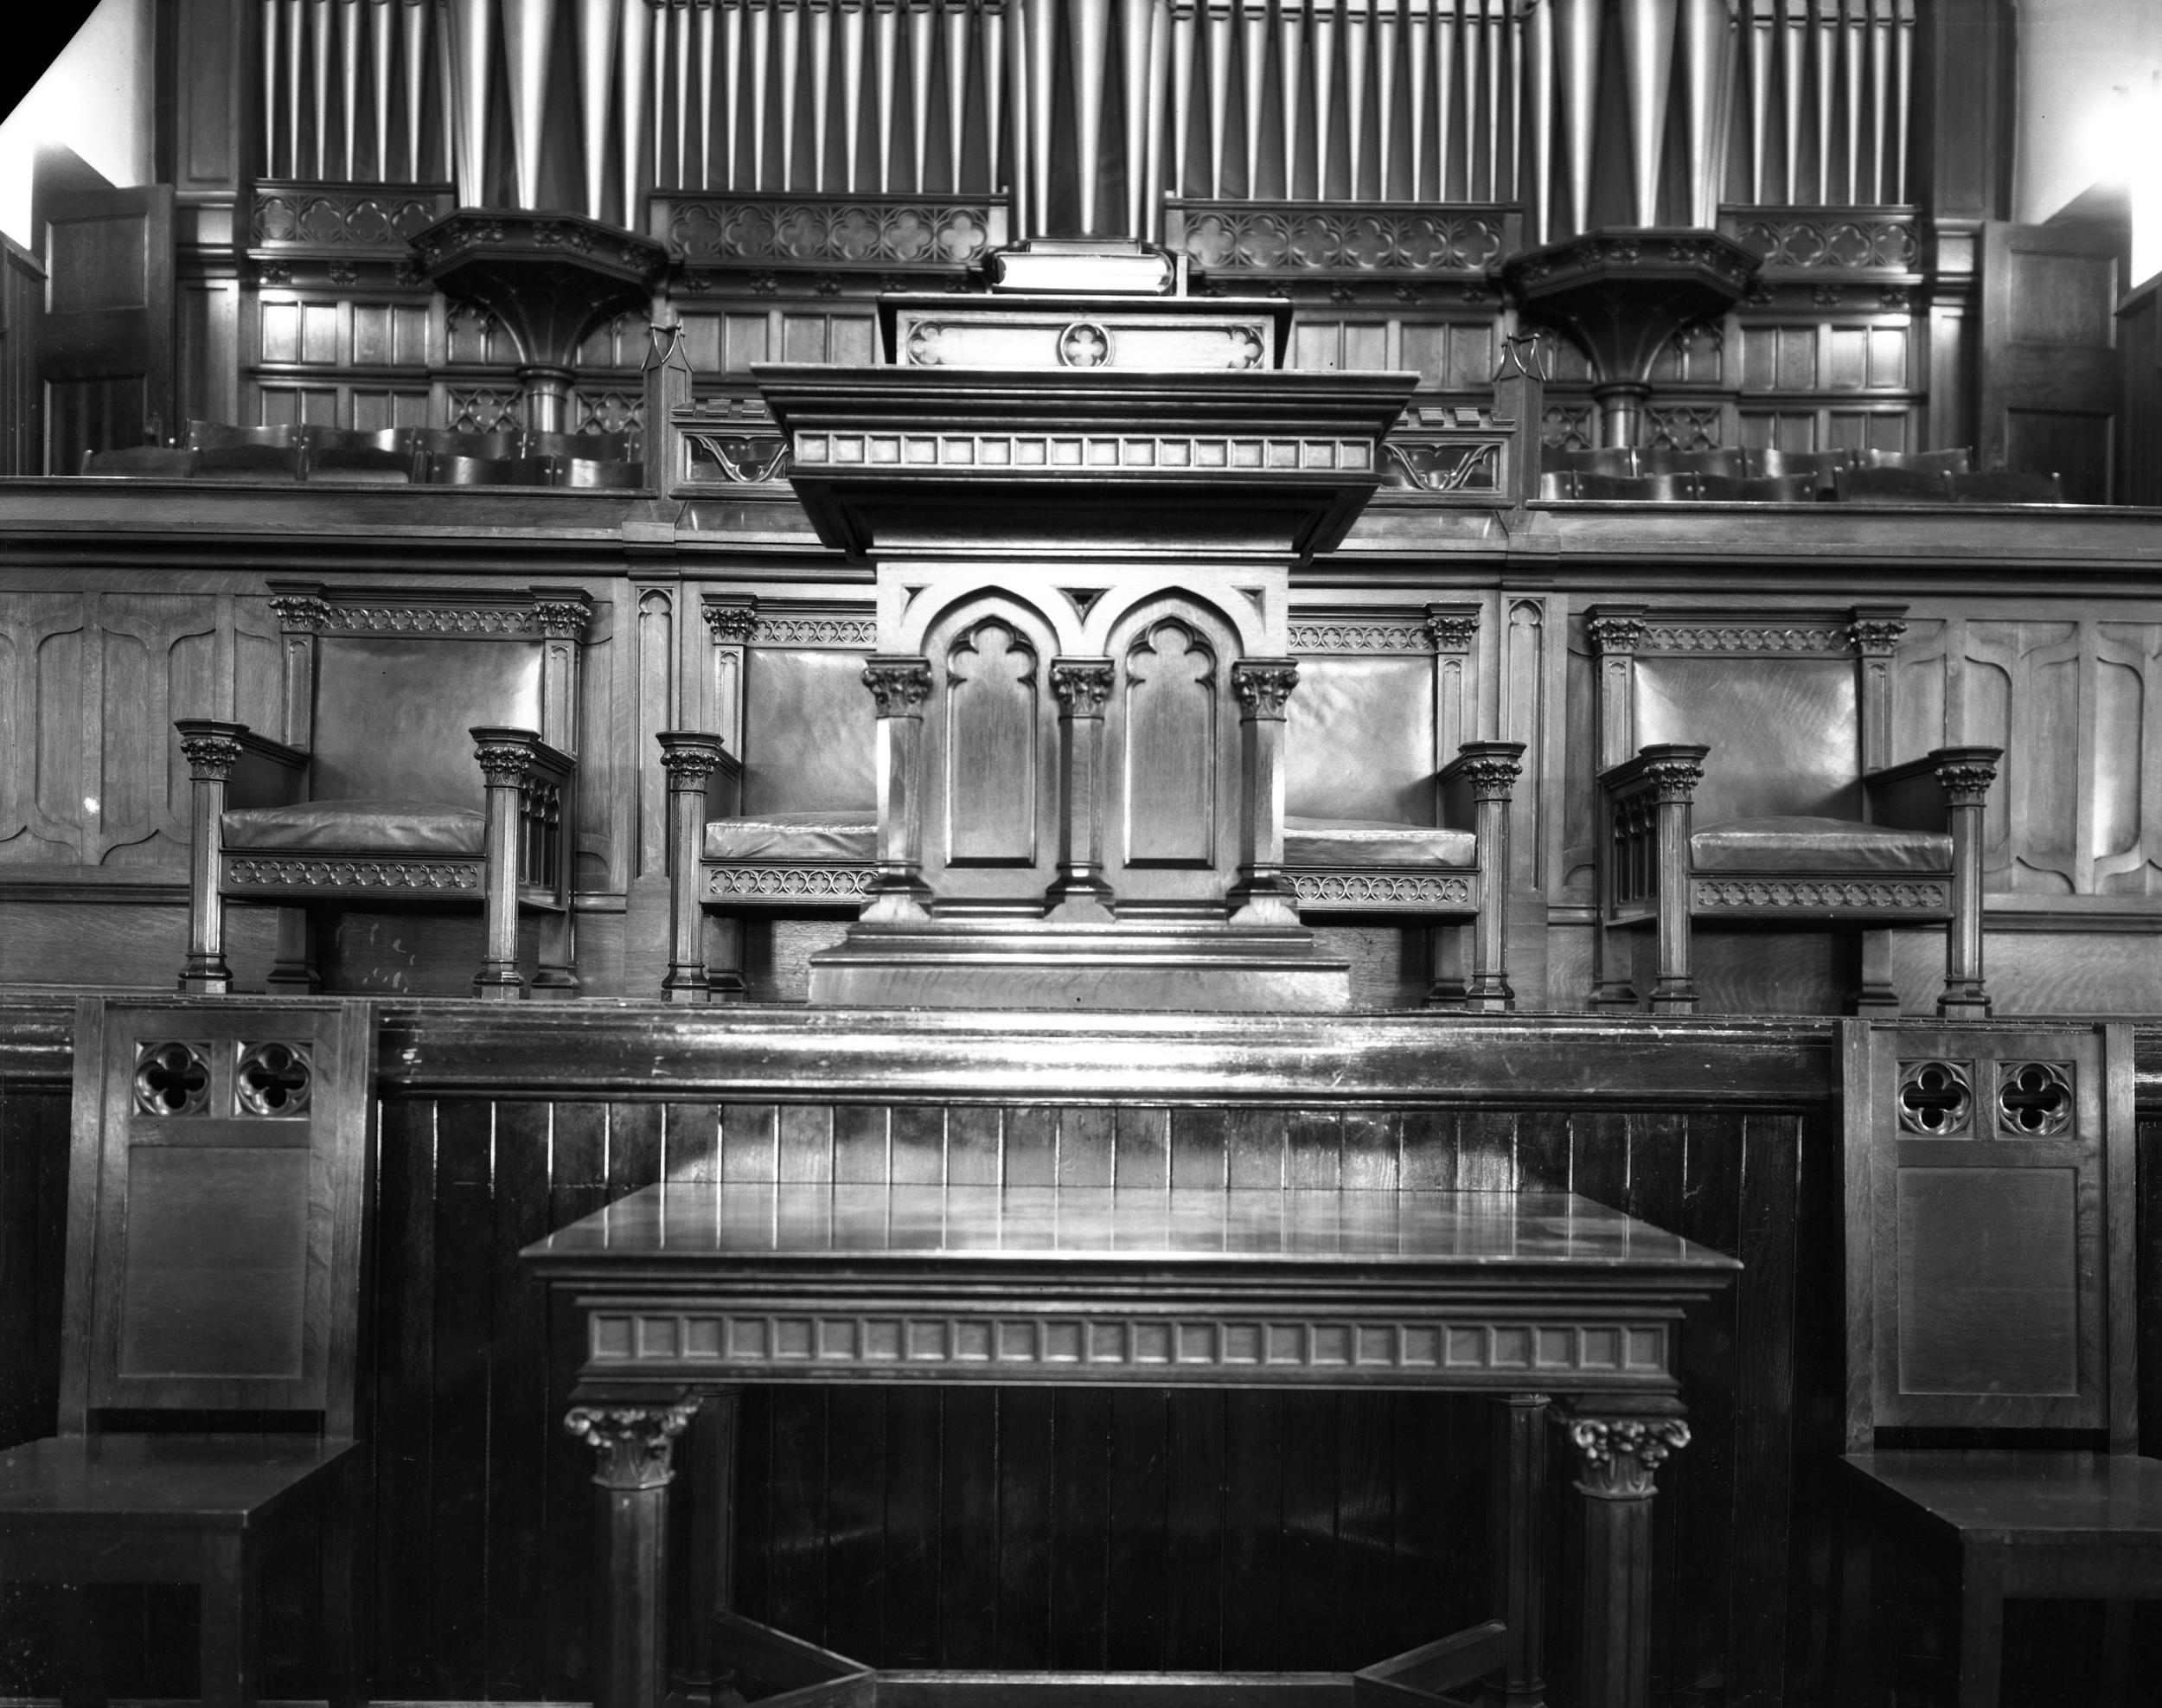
(1616, 1456)
(633, 1445)
(707, 1455)
(1517, 1515)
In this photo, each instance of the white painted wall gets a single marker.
(2090, 112)
(95, 99)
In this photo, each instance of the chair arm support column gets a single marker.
(690, 757)
(1261, 895)
(211, 750)
(1965, 774)
(1669, 772)
(1491, 769)
(505, 756)
(900, 684)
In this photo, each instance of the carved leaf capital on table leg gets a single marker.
(633, 1445)
(1617, 1455)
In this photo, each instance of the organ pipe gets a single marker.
(637, 30)
(1499, 99)
(528, 36)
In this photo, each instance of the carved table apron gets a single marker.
(688, 1289)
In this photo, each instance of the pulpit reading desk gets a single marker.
(689, 1289)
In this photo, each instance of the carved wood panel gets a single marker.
(2077, 808)
(993, 708)
(1172, 681)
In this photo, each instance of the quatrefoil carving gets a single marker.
(172, 1079)
(274, 1079)
(2034, 1099)
(1936, 1099)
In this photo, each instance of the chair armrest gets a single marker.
(534, 755)
(256, 770)
(1482, 770)
(1671, 769)
(541, 776)
(1917, 795)
(696, 755)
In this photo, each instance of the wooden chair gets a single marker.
(582, 447)
(451, 469)
(358, 458)
(2004, 486)
(1745, 778)
(457, 442)
(1956, 461)
(589, 475)
(224, 452)
(423, 762)
(142, 462)
(216, 1189)
(1989, 1288)
(1757, 489)
(1878, 483)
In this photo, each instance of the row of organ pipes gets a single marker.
(1423, 101)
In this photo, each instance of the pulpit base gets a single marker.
(988, 965)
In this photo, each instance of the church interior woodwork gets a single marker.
(1264, 851)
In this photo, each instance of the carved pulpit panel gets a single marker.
(1166, 742)
(995, 696)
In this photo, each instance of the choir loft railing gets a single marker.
(1085, 115)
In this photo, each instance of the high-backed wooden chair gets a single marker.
(423, 762)
(1745, 779)
(215, 1191)
(1990, 1287)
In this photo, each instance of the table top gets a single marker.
(705, 1226)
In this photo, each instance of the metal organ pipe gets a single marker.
(1418, 34)
(528, 38)
(636, 19)
(706, 32)
(1254, 54)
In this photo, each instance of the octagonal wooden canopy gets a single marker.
(1089, 462)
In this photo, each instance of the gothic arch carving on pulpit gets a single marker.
(1172, 804)
(992, 757)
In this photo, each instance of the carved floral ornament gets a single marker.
(1673, 780)
(309, 613)
(899, 685)
(503, 761)
(308, 873)
(1492, 776)
(1082, 684)
(210, 757)
(1967, 782)
(691, 766)
(1617, 1455)
(732, 625)
(634, 1443)
(1263, 685)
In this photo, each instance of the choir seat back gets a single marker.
(211, 1350)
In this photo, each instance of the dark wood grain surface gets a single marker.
(859, 1504)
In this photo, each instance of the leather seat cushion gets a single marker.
(1359, 842)
(358, 827)
(835, 838)
(1829, 845)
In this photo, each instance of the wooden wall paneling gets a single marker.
(856, 1576)
(460, 1606)
(2048, 370)
(603, 816)
(402, 1430)
(2147, 1283)
(1197, 1585)
(207, 352)
(22, 396)
(911, 1535)
(40, 643)
(2140, 410)
(163, 656)
(577, 1186)
(523, 1417)
(649, 699)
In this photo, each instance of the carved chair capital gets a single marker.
(502, 758)
(1492, 774)
(562, 619)
(300, 613)
(1263, 685)
(732, 625)
(1614, 634)
(1965, 773)
(1673, 778)
(211, 754)
(1616, 1456)
(1875, 637)
(898, 683)
(1450, 629)
(635, 1445)
(1082, 684)
(689, 759)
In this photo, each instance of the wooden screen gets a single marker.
(216, 1199)
(1982, 1182)
(106, 350)
(2049, 359)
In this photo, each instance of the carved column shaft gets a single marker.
(1261, 895)
(1517, 1522)
(1491, 769)
(1675, 772)
(732, 622)
(211, 750)
(899, 684)
(1079, 895)
(634, 1444)
(689, 759)
(504, 760)
(1617, 1457)
(1965, 774)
